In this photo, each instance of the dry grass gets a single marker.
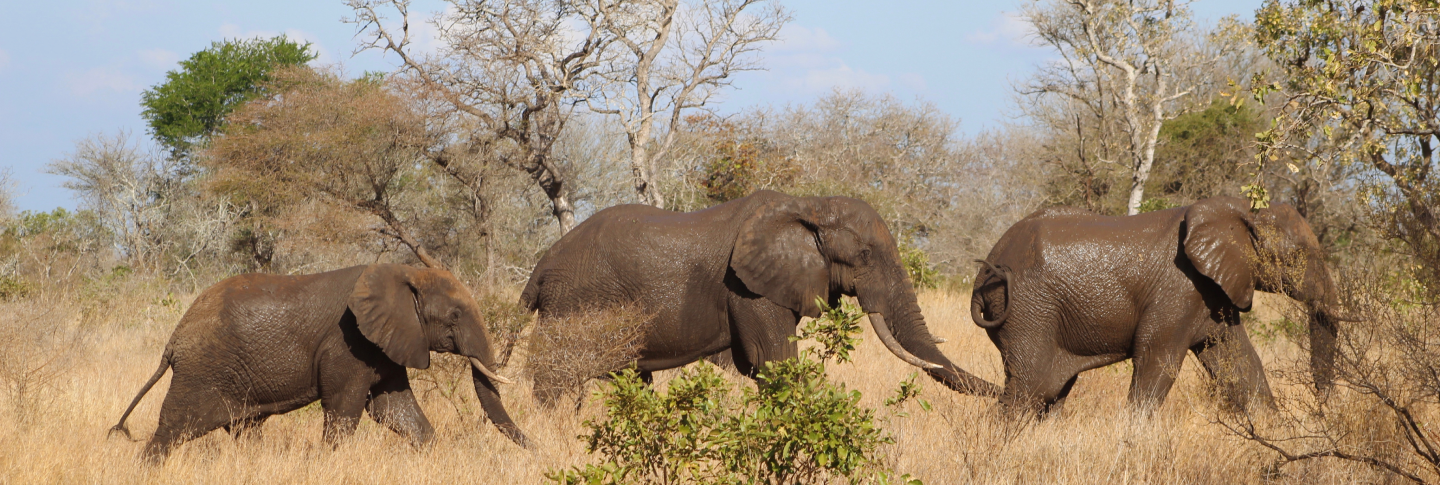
(1092, 440)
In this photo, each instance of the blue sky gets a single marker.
(73, 68)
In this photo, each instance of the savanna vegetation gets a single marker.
(534, 114)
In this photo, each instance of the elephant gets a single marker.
(738, 276)
(1066, 290)
(256, 345)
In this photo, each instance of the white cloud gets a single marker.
(1009, 27)
(4, 60)
(797, 38)
(160, 59)
(839, 77)
(101, 79)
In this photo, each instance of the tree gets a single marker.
(672, 57)
(190, 106)
(1361, 86)
(514, 69)
(350, 144)
(1124, 63)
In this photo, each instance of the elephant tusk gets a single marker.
(883, 331)
(941, 340)
(485, 370)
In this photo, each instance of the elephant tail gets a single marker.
(165, 361)
(978, 308)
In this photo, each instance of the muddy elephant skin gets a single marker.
(738, 276)
(1066, 290)
(257, 345)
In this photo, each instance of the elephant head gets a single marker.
(793, 249)
(1270, 250)
(409, 312)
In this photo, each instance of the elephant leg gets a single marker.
(1055, 404)
(247, 427)
(1155, 371)
(1230, 359)
(392, 403)
(761, 333)
(184, 416)
(343, 410)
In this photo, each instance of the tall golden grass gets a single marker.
(1093, 439)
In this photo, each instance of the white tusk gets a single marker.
(941, 340)
(484, 370)
(883, 331)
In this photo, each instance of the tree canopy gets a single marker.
(193, 101)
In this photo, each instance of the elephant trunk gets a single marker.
(896, 316)
(1325, 315)
(494, 409)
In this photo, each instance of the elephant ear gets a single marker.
(778, 256)
(1219, 243)
(387, 310)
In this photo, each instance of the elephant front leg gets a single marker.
(392, 403)
(760, 333)
(1154, 375)
(1231, 360)
(342, 413)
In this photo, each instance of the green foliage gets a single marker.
(795, 427)
(836, 330)
(1358, 79)
(13, 287)
(193, 101)
(58, 231)
(1203, 151)
(917, 265)
(1156, 204)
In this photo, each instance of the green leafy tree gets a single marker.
(192, 103)
(1360, 87)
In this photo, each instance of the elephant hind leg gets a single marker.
(392, 403)
(1231, 360)
(247, 427)
(183, 417)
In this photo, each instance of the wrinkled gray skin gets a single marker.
(1066, 290)
(257, 345)
(737, 276)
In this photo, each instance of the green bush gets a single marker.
(917, 265)
(796, 426)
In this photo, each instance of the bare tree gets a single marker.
(1120, 59)
(672, 57)
(514, 68)
(129, 187)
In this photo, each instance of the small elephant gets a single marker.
(1066, 290)
(257, 345)
(738, 276)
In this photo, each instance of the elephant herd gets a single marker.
(1063, 291)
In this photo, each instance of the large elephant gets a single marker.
(257, 345)
(738, 276)
(1066, 290)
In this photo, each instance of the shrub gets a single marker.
(796, 426)
(567, 351)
